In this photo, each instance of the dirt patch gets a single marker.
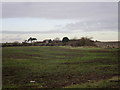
(20, 56)
(80, 50)
(70, 55)
(71, 63)
(13, 74)
(92, 51)
(100, 51)
(104, 61)
(101, 60)
(72, 79)
(56, 80)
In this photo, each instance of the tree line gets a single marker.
(84, 41)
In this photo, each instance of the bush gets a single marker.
(84, 41)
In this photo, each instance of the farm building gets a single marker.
(113, 44)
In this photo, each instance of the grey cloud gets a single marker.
(93, 25)
(59, 10)
(14, 38)
(0, 10)
(21, 32)
(79, 26)
(90, 16)
(35, 32)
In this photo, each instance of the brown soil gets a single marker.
(102, 60)
(20, 56)
(71, 79)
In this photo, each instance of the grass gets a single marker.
(57, 67)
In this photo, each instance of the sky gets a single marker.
(48, 20)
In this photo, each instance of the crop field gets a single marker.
(59, 67)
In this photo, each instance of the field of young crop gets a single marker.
(59, 67)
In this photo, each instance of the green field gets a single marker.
(59, 67)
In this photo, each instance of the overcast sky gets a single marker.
(45, 20)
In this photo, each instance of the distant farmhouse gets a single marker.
(47, 41)
(112, 44)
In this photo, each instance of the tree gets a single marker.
(65, 39)
(75, 38)
(31, 39)
(25, 41)
(49, 41)
(85, 41)
(57, 39)
(15, 43)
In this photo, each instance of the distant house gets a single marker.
(39, 42)
(47, 41)
(112, 44)
(56, 41)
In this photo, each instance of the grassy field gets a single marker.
(59, 67)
